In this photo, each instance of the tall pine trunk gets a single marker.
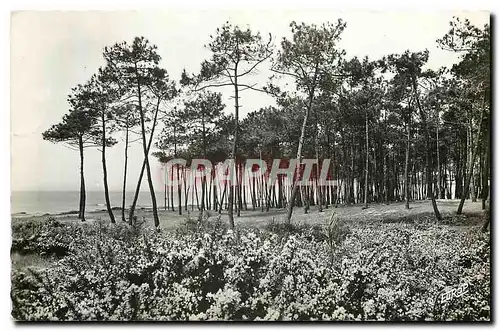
(179, 197)
(407, 188)
(299, 160)
(104, 168)
(428, 154)
(471, 164)
(239, 189)
(214, 197)
(254, 201)
(178, 190)
(172, 194)
(234, 148)
(472, 182)
(486, 174)
(203, 178)
(486, 168)
(438, 162)
(243, 188)
(316, 143)
(367, 159)
(186, 189)
(81, 210)
(124, 187)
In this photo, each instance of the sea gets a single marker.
(53, 202)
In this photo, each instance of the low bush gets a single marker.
(44, 238)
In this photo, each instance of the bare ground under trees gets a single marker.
(395, 211)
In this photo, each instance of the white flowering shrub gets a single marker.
(373, 272)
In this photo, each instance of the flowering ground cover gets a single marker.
(375, 270)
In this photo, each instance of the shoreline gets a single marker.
(24, 214)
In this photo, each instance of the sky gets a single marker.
(51, 52)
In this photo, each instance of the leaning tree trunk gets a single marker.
(145, 165)
(81, 211)
(104, 169)
(150, 179)
(299, 160)
(196, 193)
(223, 197)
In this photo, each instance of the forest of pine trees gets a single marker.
(392, 129)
